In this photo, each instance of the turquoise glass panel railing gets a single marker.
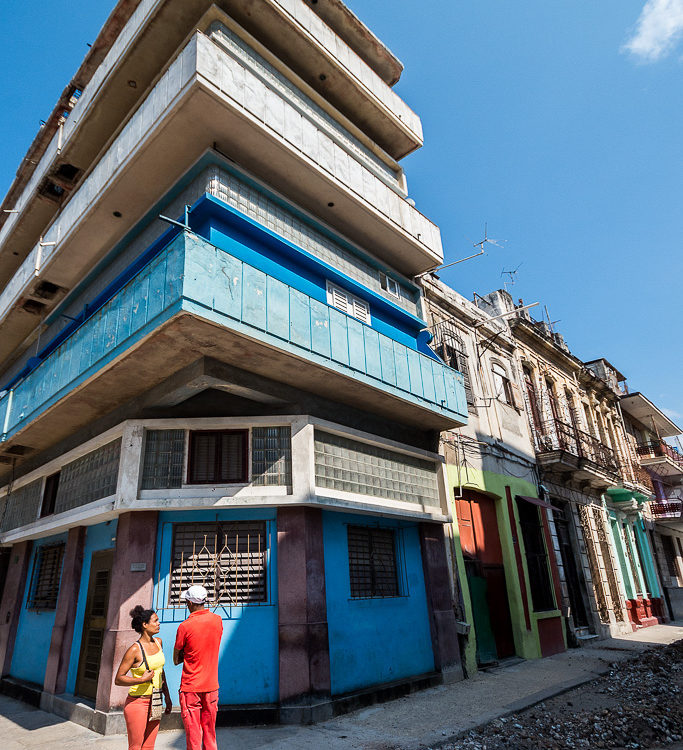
(191, 274)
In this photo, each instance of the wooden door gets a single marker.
(94, 624)
(4, 567)
(480, 542)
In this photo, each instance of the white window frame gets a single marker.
(342, 300)
(389, 285)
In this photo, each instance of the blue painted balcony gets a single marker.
(194, 299)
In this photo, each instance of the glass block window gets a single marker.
(21, 506)
(351, 466)
(228, 559)
(271, 456)
(218, 457)
(372, 562)
(162, 466)
(47, 571)
(89, 478)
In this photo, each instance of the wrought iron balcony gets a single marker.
(659, 452)
(554, 436)
(667, 509)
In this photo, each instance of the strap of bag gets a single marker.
(144, 656)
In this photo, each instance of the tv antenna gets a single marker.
(512, 276)
(551, 323)
(482, 251)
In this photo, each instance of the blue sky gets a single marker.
(558, 123)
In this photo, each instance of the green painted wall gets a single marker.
(527, 644)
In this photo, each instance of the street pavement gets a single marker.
(423, 719)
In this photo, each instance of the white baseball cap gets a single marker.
(196, 595)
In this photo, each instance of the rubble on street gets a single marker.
(638, 704)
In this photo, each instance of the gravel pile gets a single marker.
(638, 704)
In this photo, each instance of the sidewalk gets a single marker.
(419, 720)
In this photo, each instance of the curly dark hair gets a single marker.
(140, 616)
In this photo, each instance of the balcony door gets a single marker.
(481, 548)
(575, 589)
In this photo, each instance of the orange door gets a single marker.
(483, 555)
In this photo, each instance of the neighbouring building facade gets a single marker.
(239, 393)
(509, 579)
(595, 485)
(646, 427)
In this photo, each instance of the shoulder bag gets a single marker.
(156, 704)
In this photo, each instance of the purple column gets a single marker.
(302, 606)
(132, 582)
(440, 601)
(12, 599)
(57, 668)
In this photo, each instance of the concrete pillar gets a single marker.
(12, 599)
(57, 668)
(442, 621)
(132, 582)
(302, 616)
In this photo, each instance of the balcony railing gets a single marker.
(555, 435)
(659, 449)
(667, 509)
(191, 275)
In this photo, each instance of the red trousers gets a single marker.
(199, 718)
(142, 734)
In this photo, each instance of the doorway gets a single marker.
(575, 589)
(94, 624)
(481, 548)
(4, 568)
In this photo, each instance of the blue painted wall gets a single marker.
(248, 669)
(34, 632)
(375, 640)
(97, 538)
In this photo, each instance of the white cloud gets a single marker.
(672, 414)
(657, 30)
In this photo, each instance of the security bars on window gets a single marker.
(372, 562)
(47, 572)
(229, 560)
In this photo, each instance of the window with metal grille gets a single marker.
(372, 562)
(228, 559)
(536, 557)
(218, 457)
(47, 571)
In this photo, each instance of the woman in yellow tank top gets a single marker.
(144, 660)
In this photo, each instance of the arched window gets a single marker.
(448, 344)
(502, 388)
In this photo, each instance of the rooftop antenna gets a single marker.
(551, 323)
(482, 251)
(512, 276)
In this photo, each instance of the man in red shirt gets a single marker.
(196, 646)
